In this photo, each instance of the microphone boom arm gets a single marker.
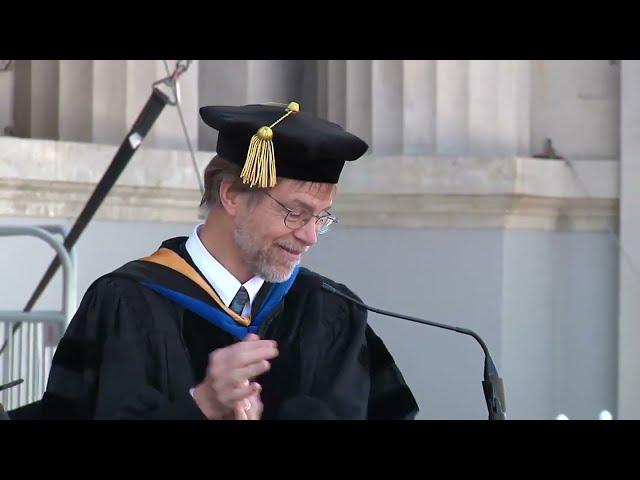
(492, 384)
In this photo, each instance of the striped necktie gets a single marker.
(240, 300)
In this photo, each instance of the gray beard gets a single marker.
(257, 257)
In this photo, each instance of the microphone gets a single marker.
(492, 384)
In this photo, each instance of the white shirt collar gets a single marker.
(223, 282)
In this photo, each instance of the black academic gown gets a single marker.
(131, 353)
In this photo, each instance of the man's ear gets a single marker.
(229, 196)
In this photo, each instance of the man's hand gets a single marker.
(228, 385)
(250, 408)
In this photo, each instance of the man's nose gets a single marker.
(307, 234)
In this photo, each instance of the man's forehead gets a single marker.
(305, 188)
(309, 194)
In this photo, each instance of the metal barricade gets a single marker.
(30, 349)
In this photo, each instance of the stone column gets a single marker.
(629, 306)
(344, 94)
(239, 82)
(358, 101)
(452, 104)
(7, 117)
(418, 107)
(36, 98)
(98, 101)
(75, 99)
(109, 125)
(387, 107)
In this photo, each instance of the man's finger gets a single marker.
(240, 375)
(236, 394)
(255, 412)
(245, 357)
(239, 412)
(240, 354)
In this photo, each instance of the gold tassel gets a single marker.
(260, 165)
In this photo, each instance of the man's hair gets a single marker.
(220, 169)
(216, 171)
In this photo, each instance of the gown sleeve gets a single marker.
(107, 364)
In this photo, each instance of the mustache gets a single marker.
(294, 247)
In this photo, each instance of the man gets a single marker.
(225, 324)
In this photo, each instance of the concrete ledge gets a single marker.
(43, 178)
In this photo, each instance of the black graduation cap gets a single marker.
(277, 139)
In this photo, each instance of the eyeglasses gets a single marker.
(295, 220)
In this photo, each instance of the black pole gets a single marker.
(147, 117)
(11, 384)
